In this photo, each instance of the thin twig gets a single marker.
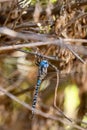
(39, 54)
(55, 97)
(78, 48)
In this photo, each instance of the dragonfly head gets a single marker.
(44, 64)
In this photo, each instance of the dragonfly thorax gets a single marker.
(43, 66)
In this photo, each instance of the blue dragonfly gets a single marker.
(43, 66)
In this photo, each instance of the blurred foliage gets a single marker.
(84, 120)
(25, 3)
(71, 97)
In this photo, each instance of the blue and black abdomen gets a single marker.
(43, 65)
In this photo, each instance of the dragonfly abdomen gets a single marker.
(36, 95)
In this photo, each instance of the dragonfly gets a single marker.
(43, 66)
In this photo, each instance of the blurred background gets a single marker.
(52, 19)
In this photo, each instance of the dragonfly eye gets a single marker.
(44, 64)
